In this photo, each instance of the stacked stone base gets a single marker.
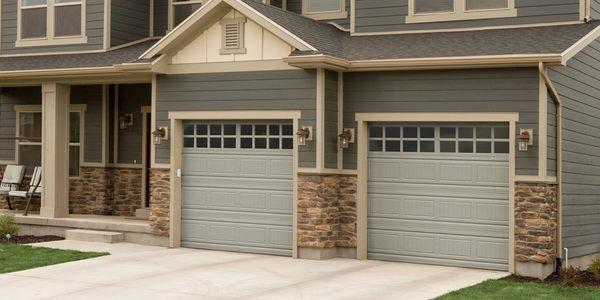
(326, 216)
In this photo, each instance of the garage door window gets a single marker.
(442, 139)
(238, 136)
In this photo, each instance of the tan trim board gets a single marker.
(536, 179)
(362, 178)
(327, 171)
(320, 132)
(542, 128)
(466, 28)
(241, 66)
(235, 115)
(161, 166)
(580, 45)
(74, 71)
(105, 125)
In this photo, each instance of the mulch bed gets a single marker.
(30, 239)
(570, 277)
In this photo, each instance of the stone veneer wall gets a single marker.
(326, 211)
(536, 219)
(159, 201)
(127, 191)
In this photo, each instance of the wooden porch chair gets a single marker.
(11, 181)
(34, 189)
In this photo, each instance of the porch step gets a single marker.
(94, 236)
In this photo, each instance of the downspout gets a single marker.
(558, 103)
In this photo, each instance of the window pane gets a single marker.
(323, 5)
(260, 143)
(229, 143)
(486, 4)
(375, 132)
(67, 21)
(215, 142)
(33, 23)
(465, 132)
(392, 132)
(215, 129)
(484, 147)
(30, 126)
(287, 129)
(74, 127)
(274, 129)
(188, 129)
(465, 147)
(74, 161)
(427, 146)
(501, 147)
(201, 129)
(392, 146)
(260, 130)
(246, 129)
(246, 143)
(501, 133)
(287, 143)
(433, 6)
(448, 132)
(202, 143)
(33, 2)
(274, 143)
(427, 132)
(484, 132)
(229, 129)
(182, 11)
(67, 1)
(410, 146)
(188, 142)
(410, 132)
(375, 145)
(30, 156)
(447, 146)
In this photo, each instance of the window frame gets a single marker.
(171, 10)
(50, 39)
(74, 108)
(341, 13)
(460, 13)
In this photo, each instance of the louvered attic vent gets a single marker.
(232, 36)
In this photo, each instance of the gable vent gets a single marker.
(233, 36)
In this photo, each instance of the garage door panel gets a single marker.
(435, 196)
(238, 199)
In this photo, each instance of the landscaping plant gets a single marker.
(594, 268)
(8, 226)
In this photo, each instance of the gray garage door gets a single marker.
(237, 187)
(438, 194)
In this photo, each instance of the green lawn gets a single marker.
(22, 257)
(507, 289)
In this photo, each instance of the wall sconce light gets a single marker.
(346, 138)
(125, 121)
(160, 134)
(525, 139)
(304, 134)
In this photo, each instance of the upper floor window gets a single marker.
(455, 10)
(181, 9)
(325, 9)
(50, 22)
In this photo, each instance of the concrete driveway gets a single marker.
(142, 272)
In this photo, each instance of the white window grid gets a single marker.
(493, 140)
(273, 139)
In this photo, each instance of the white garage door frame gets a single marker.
(176, 138)
(363, 119)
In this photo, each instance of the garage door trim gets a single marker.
(467, 117)
(176, 147)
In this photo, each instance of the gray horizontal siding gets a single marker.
(331, 119)
(91, 96)
(269, 90)
(131, 99)
(389, 15)
(500, 90)
(595, 9)
(9, 97)
(94, 30)
(161, 17)
(129, 21)
(579, 86)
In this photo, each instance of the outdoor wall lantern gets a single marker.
(304, 134)
(525, 139)
(160, 134)
(125, 121)
(346, 138)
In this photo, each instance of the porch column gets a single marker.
(55, 150)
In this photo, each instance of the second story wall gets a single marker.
(93, 22)
(393, 15)
(296, 6)
(161, 17)
(129, 21)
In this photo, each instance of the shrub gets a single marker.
(594, 268)
(571, 276)
(8, 225)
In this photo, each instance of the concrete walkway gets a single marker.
(143, 272)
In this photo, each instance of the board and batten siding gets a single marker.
(266, 90)
(482, 90)
(161, 17)
(94, 30)
(129, 21)
(131, 99)
(9, 97)
(331, 119)
(578, 84)
(390, 15)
